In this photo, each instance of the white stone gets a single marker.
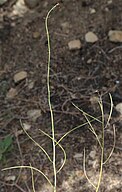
(92, 11)
(74, 44)
(89, 61)
(119, 108)
(115, 36)
(20, 76)
(91, 37)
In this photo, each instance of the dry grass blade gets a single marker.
(112, 150)
(84, 168)
(32, 178)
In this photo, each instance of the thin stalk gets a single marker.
(61, 149)
(32, 178)
(102, 149)
(49, 95)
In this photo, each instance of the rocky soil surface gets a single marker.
(86, 67)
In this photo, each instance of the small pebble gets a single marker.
(119, 108)
(91, 37)
(89, 61)
(10, 178)
(74, 45)
(115, 36)
(20, 76)
(78, 155)
(92, 11)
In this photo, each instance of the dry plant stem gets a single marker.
(102, 149)
(112, 147)
(101, 143)
(93, 130)
(103, 139)
(49, 99)
(52, 126)
(61, 149)
(32, 178)
(84, 168)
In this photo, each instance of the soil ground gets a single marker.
(79, 77)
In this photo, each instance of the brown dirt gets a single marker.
(73, 80)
